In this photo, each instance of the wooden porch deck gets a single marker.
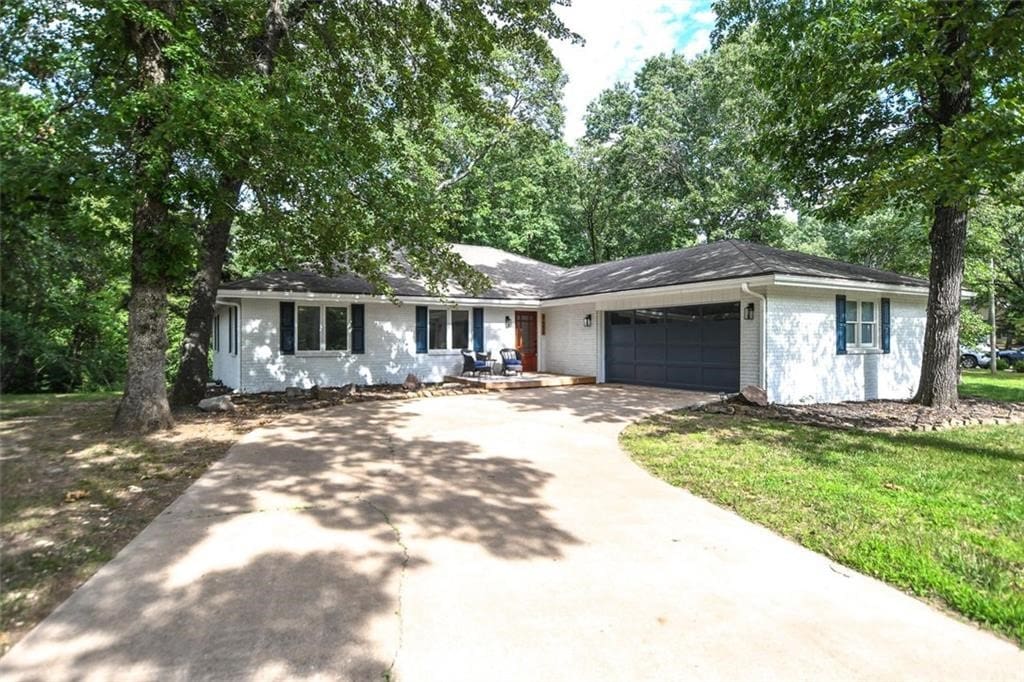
(526, 380)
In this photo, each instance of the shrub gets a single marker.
(1002, 363)
(1018, 367)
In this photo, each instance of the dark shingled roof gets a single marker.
(514, 276)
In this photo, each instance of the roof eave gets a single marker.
(812, 282)
(314, 296)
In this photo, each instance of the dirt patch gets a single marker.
(72, 493)
(879, 415)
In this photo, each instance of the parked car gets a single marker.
(974, 357)
(1012, 355)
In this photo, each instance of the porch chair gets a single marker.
(474, 363)
(511, 361)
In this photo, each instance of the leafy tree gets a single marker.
(63, 274)
(514, 198)
(672, 153)
(893, 103)
(321, 113)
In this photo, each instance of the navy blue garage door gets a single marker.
(696, 347)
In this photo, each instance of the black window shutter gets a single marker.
(421, 329)
(886, 325)
(358, 326)
(478, 330)
(287, 327)
(840, 325)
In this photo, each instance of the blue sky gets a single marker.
(620, 35)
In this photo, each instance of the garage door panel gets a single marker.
(694, 347)
(651, 354)
(722, 379)
(650, 334)
(618, 371)
(621, 335)
(683, 334)
(709, 355)
(650, 374)
(683, 377)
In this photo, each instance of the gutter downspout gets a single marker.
(763, 341)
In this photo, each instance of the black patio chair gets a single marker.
(474, 363)
(511, 361)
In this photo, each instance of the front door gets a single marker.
(526, 338)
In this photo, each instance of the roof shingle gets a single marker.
(517, 277)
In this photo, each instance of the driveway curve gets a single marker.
(479, 537)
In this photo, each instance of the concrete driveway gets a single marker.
(485, 537)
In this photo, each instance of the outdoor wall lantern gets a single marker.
(588, 320)
(508, 322)
(748, 312)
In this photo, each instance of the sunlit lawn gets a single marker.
(938, 514)
(981, 383)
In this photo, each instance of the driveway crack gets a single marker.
(388, 674)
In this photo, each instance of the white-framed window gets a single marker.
(216, 333)
(321, 328)
(448, 329)
(437, 329)
(862, 329)
(460, 329)
(233, 330)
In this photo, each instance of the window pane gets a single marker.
(851, 311)
(307, 331)
(867, 312)
(336, 328)
(438, 332)
(216, 332)
(721, 311)
(460, 329)
(620, 317)
(867, 334)
(851, 334)
(648, 317)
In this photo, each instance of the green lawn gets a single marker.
(980, 383)
(14, 405)
(938, 514)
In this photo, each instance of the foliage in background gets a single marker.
(63, 274)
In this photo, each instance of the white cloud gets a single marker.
(700, 41)
(619, 37)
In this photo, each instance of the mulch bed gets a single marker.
(879, 415)
(315, 398)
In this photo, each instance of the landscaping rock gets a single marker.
(220, 403)
(412, 383)
(755, 395)
(882, 415)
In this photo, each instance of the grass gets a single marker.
(14, 405)
(73, 493)
(937, 514)
(980, 383)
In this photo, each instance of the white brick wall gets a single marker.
(803, 365)
(569, 347)
(390, 350)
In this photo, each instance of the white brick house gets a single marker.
(714, 317)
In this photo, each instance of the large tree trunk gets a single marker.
(144, 404)
(190, 384)
(940, 364)
(948, 237)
